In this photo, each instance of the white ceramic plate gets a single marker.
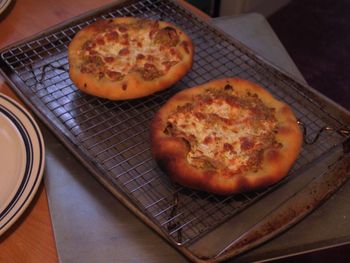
(4, 4)
(22, 159)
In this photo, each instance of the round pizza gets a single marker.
(226, 136)
(128, 57)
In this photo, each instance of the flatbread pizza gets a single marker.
(226, 136)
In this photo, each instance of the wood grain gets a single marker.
(30, 239)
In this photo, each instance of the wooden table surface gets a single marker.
(31, 238)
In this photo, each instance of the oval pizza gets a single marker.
(226, 136)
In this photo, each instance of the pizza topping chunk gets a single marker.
(114, 75)
(225, 130)
(167, 36)
(149, 71)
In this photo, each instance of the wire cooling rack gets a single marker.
(113, 137)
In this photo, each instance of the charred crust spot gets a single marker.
(228, 87)
(124, 86)
(85, 85)
(169, 28)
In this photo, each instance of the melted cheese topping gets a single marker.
(225, 131)
(134, 47)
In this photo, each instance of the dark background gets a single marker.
(316, 34)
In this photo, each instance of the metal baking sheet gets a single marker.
(112, 139)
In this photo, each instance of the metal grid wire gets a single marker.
(115, 135)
